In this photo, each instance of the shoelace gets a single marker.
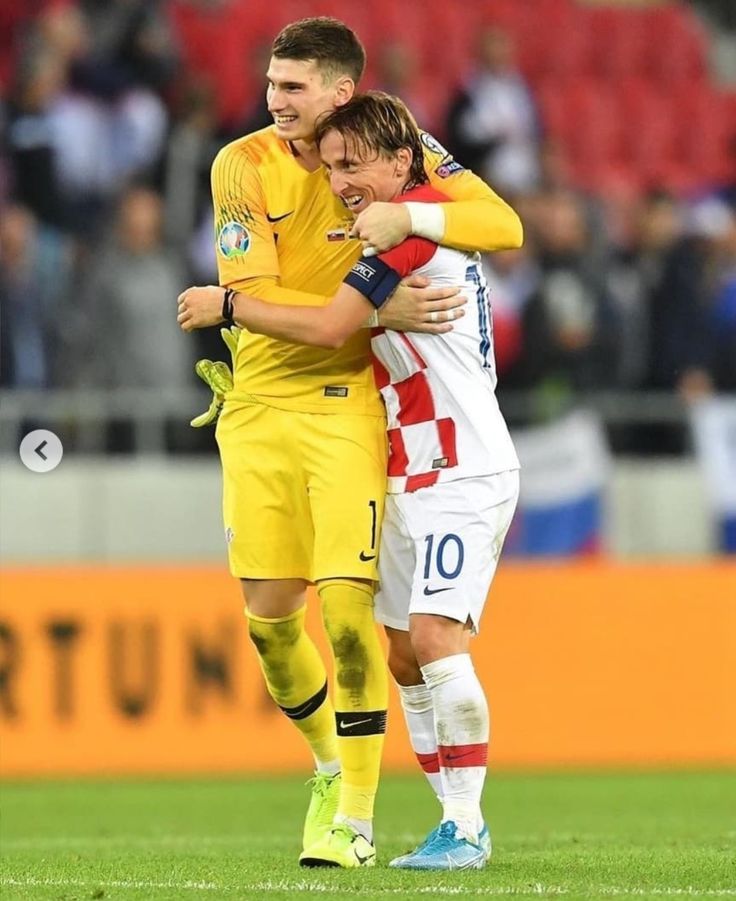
(447, 830)
(444, 838)
(318, 783)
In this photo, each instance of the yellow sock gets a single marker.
(296, 678)
(360, 691)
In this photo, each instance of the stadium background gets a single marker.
(612, 128)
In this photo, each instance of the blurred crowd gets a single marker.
(112, 111)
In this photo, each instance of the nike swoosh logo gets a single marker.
(278, 218)
(366, 557)
(294, 712)
(344, 725)
(458, 756)
(362, 860)
(430, 591)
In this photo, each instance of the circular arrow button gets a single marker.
(41, 451)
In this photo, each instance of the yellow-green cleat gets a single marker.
(343, 847)
(322, 807)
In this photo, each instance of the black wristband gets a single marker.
(375, 280)
(227, 306)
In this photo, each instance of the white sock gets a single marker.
(461, 721)
(416, 701)
(328, 767)
(364, 827)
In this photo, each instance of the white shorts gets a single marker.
(440, 547)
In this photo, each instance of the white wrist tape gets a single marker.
(371, 321)
(427, 220)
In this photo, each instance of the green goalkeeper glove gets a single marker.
(231, 336)
(218, 377)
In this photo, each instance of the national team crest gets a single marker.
(233, 240)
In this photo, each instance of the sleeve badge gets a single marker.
(233, 240)
(434, 146)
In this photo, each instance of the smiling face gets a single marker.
(359, 177)
(299, 92)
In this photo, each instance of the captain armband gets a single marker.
(374, 279)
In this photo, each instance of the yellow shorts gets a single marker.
(303, 493)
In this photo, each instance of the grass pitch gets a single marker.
(649, 835)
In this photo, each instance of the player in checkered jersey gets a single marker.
(452, 471)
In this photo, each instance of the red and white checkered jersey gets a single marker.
(444, 422)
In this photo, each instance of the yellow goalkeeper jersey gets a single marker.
(281, 235)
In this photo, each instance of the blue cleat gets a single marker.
(484, 840)
(443, 849)
(399, 862)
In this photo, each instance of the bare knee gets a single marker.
(402, 662)
(273, 598)
(436, 637)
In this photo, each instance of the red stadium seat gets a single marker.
(618, 42)
(594, 127)
(729, 114)
(215, 44)
(451, 40)
(650, 125)
(554, 107)
(705, 135)
(507, 14)
(680, 42)
(552, 43)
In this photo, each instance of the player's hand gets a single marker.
(200, 307)
(414, 307)
(382, 226)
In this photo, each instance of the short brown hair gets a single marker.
(330, 43)
(377, 123)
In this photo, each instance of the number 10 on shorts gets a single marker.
(446, 556)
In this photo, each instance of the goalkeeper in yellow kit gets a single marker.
(302, 432)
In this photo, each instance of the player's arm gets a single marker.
(364, 291)
(246, 247)
(475, 218)
(329, 326)
(415, 306)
